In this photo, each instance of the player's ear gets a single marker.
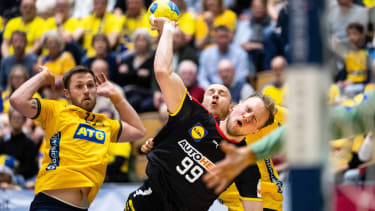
(230, 108)
(67, 94)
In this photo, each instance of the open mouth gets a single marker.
(214, 103)
(239, 123)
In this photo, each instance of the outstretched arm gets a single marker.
(132, 127)
(170, 83)
(21, 98)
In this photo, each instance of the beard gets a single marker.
(87, 106)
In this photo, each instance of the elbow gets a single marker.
(14, 101)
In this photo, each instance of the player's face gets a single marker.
(82, 91)
(217, 100)
(247, 117)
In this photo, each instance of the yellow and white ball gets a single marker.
(163, 8)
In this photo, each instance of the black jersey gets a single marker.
(184, 149)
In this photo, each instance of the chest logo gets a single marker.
(197, 132)
(89, 133)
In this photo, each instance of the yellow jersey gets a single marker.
(270, 185)
(63, 63)
(356, 66)
(278, 94)
(227, 18)
(123, 150)
(1, 24)
(129, 25)
(93, 25)
(34, 30)
(76, 150)
(69, 25)
(187, 23)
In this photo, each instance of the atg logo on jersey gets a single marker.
(197, 132)
(89, 133)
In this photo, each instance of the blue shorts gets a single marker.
(42, 202)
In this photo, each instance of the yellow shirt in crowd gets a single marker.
(76, 151)
(69, 25)
(34, 30)
(60, 65)
(276, 93)
(93, 25)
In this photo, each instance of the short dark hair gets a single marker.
(76, 70)
(20, 33)
(269, 103)
(356, 26)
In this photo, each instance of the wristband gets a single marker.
(169, 27)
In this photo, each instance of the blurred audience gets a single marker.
(277, 90)
(17, 144)
(136, 73)
(188, 73)
(186, 21)
(102, 49)
(239, 90)
(33, 26)
(182, 50)
(18, 41)
(214, 14)
(58, 61)
(99, 21)
(17, 77)
(210, 58)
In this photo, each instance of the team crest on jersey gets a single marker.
(89, 133)
(197, 132)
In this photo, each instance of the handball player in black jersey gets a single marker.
(189, 143)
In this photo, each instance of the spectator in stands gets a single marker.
(254, 35)
(239, 90)
(356, 72)
(136, 73)
(214, 14)
(135, 17)
(101, 66)
(341, 14)
(186, 21)
(99, 21)
(32, 25)
(17, 77)
(7, 180)
(182, 50)
(210, 58)
(188, 73)
(102, 49)
(65, 25)
(58, 61)
(277, 89)
(18, 41)
(17, 144)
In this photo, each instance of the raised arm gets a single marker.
(21, 99)
(132, 127)
(170, 83)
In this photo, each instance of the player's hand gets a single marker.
(224, 171)
(158, 23)
(49, 77)
(147, 146)
(104, 87)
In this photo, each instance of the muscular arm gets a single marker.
(252, 205)
(21, 98)
(170, 83)
(132, 127)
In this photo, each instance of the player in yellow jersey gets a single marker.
(76, 152)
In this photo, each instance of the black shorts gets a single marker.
(42, 202)
(146, 198)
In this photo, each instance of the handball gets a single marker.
(163, 8)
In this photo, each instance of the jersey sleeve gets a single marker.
(247, 183)
(47, 110)
(115, 130)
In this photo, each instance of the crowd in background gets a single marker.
(229, 42)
